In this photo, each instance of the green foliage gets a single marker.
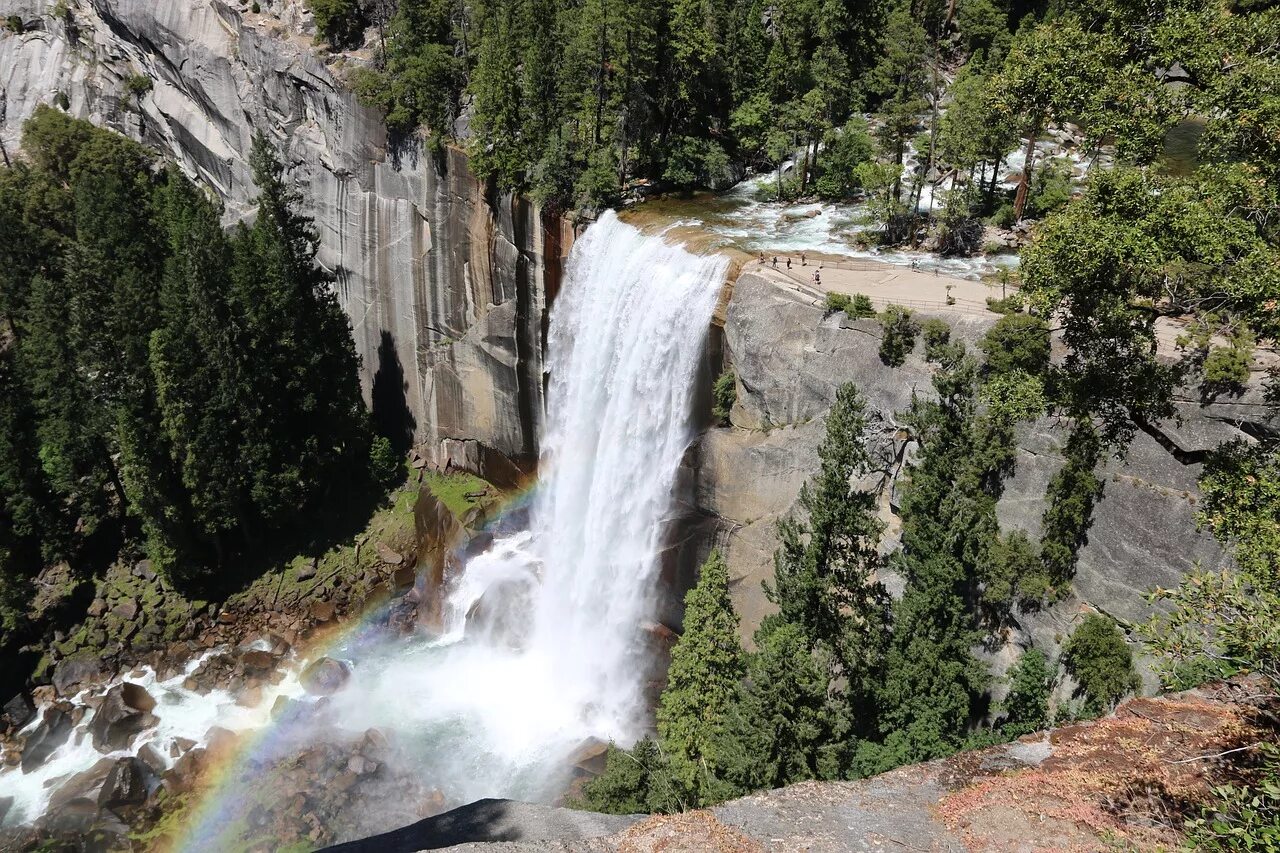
(1012, 304)
(1242, 817)
(926, 699)
(385, 465)
(725, 394)
(14, 24)
(937, 334)
(703, 688)
(1026, 707)
(635, 781)
(169, 376)
(1227, 368)
(1013, 572)
(899, 335)
(339, 21)
(1072, 494)
(837, 302)
(846, 150)
(138, 85)
(1050, 189)
(1017, 342)
(1097, 655)
(827, 557)
(856, 307)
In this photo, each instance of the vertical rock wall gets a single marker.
(445, 283)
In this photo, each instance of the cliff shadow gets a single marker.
(392, 418)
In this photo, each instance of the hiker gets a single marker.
(775, 262)
(817, 276)
(788, 263)
(762, 259)
(803, 262)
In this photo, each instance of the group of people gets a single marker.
(804, 262)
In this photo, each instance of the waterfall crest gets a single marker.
(544, 641)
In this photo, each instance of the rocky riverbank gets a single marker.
(135, 707)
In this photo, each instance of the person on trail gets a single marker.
(788, 263)
(762, 259)
(775, 262)
(803, 262)
(817, 276)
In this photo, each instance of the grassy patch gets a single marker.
(452, 490)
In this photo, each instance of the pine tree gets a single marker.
(824, 568)
(703, 694)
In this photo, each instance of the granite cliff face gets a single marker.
(445, 282)
(790, 359)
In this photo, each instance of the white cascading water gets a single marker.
(545, 645)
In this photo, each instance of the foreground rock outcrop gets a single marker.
(1125, 782)
(446, 283)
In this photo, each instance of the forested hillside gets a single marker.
(163, 381)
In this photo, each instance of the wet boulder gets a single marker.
(77, 672)
(18, 711)
(325, 676)
(125, 784)
(53, 731)
(136, 697)
(116, 723)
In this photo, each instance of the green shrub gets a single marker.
(1227, 368)
(1098, 657)
(14, 24)
(61, 101)
(1026, 708)
(1008, 305)
(1003, 217)
(837, 302)
(899, 335)
(138, 85)
(1016, 342)
(1242, 818)
(341, 22)
(385, 465)
(937, 334)
(725, 394)
(860, 307)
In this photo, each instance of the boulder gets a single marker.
(97, 608)
(151, 757)
(125, 785)
(323, 611)
(257, 660)
(126, 610)
(325, 676)
(136, 697)
(402, 580)
(145, 570)
(18, 711)
(53, 731)
(84, 785)
(307, 570)
(77, 672)
(388, 555)
(116, 723)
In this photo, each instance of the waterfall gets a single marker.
(544, 646)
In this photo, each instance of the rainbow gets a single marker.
(213, 819)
